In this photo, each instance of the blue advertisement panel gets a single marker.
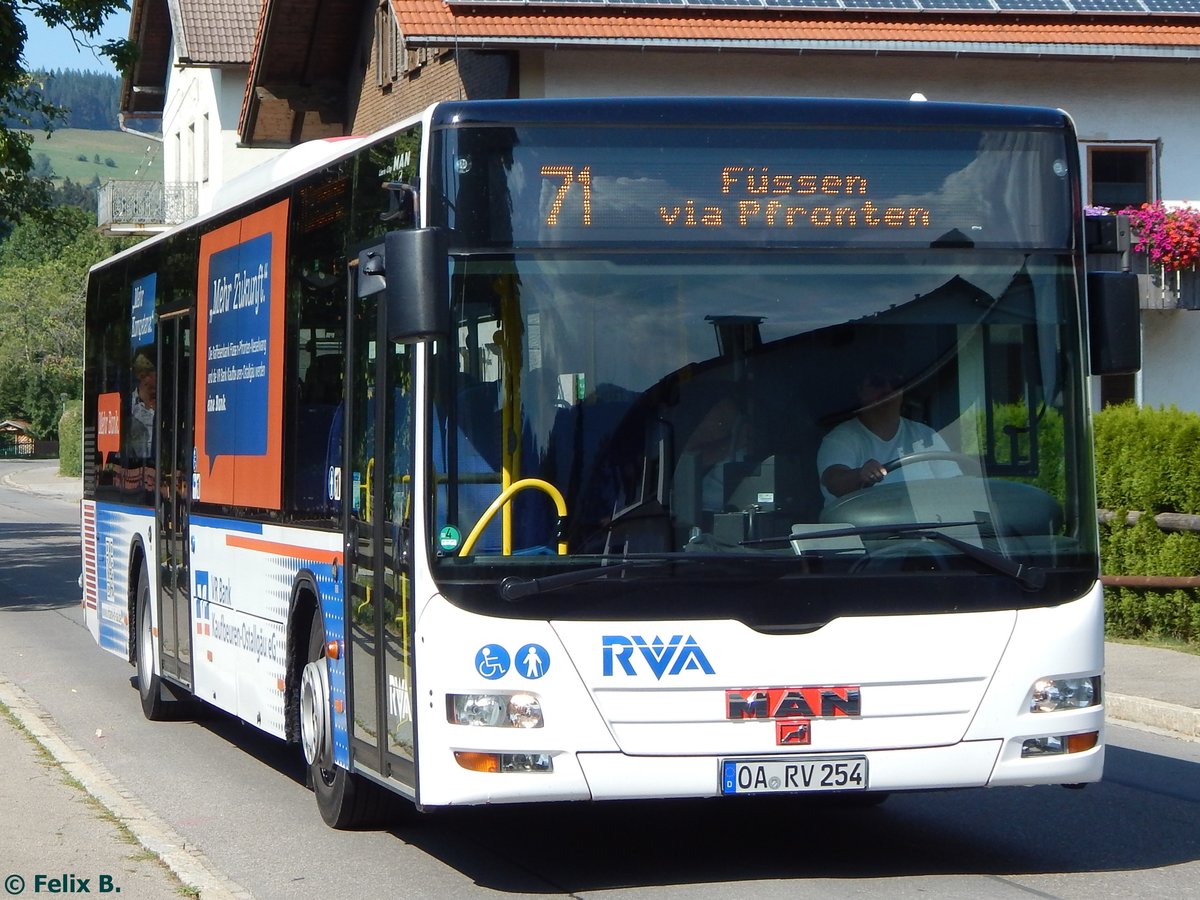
(239, 362)
(239, 320)
(141, 311)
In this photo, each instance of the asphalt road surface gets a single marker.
(239, 797)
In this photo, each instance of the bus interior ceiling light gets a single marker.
(521, 710)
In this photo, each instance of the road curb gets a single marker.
(188, 863)
(1181, 721)
(68, 491)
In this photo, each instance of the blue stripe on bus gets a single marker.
(226, 524)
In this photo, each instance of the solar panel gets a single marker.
(1109, 6)
(1117, 7)
(1033, 6)
(806, 4)
(965, 5)
(880, 4)
(1172, 6)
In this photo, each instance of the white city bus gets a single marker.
(480, 457)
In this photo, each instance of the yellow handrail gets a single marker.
(505, 496)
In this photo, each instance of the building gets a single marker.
(191, 76)
(318, 68)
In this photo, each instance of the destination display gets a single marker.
(557, 186)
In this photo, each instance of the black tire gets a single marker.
(150, 686)
(345, 800)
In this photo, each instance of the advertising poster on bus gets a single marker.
(239, 361)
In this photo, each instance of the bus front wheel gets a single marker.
(344, 799)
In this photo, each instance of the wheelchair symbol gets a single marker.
(492, 662)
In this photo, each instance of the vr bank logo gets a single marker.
(676, 656)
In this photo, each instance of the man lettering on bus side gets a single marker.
(853, 455)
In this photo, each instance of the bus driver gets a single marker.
(850, 455)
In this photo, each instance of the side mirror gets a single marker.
(411, 270)
(1114, 323)
(1107, 234)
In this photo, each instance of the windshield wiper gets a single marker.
(515, 588)
(1031, 578)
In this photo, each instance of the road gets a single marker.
(239, 798)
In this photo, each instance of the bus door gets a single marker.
(377, 485)
(173, 488)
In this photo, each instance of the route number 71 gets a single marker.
(570, 175)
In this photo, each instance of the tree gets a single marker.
(71, 193)
(43, 265)
(21, 100)
(42, 167)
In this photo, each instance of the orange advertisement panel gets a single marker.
(239, 361)
(108, 424)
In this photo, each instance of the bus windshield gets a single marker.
(685, 408)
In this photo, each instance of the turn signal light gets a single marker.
(478, 762)
(504, 762)
(1077, 743)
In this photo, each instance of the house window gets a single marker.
(205, 137)
(189, 153)
(1120, 175)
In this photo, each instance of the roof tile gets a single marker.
(220, 31)
(431, 20)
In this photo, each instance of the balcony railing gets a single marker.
(1157, 289)
(128, 207)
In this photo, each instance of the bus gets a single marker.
(487, 458)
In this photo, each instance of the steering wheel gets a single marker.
(888, 503)
(1015, 508)
(969, 465)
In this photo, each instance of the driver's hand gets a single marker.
(871, 472)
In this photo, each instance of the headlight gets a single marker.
(1052, 694)
(522, 710)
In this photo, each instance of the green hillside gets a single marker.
(73, 153)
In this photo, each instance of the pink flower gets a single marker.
(1169, 237)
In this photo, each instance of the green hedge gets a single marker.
(1149, 460)
(70, 440)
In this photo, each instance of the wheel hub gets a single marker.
(315, 726)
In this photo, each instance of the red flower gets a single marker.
(1169, 237)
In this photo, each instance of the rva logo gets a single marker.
(399, 699)
(674, 657)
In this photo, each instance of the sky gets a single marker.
(51, 48)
